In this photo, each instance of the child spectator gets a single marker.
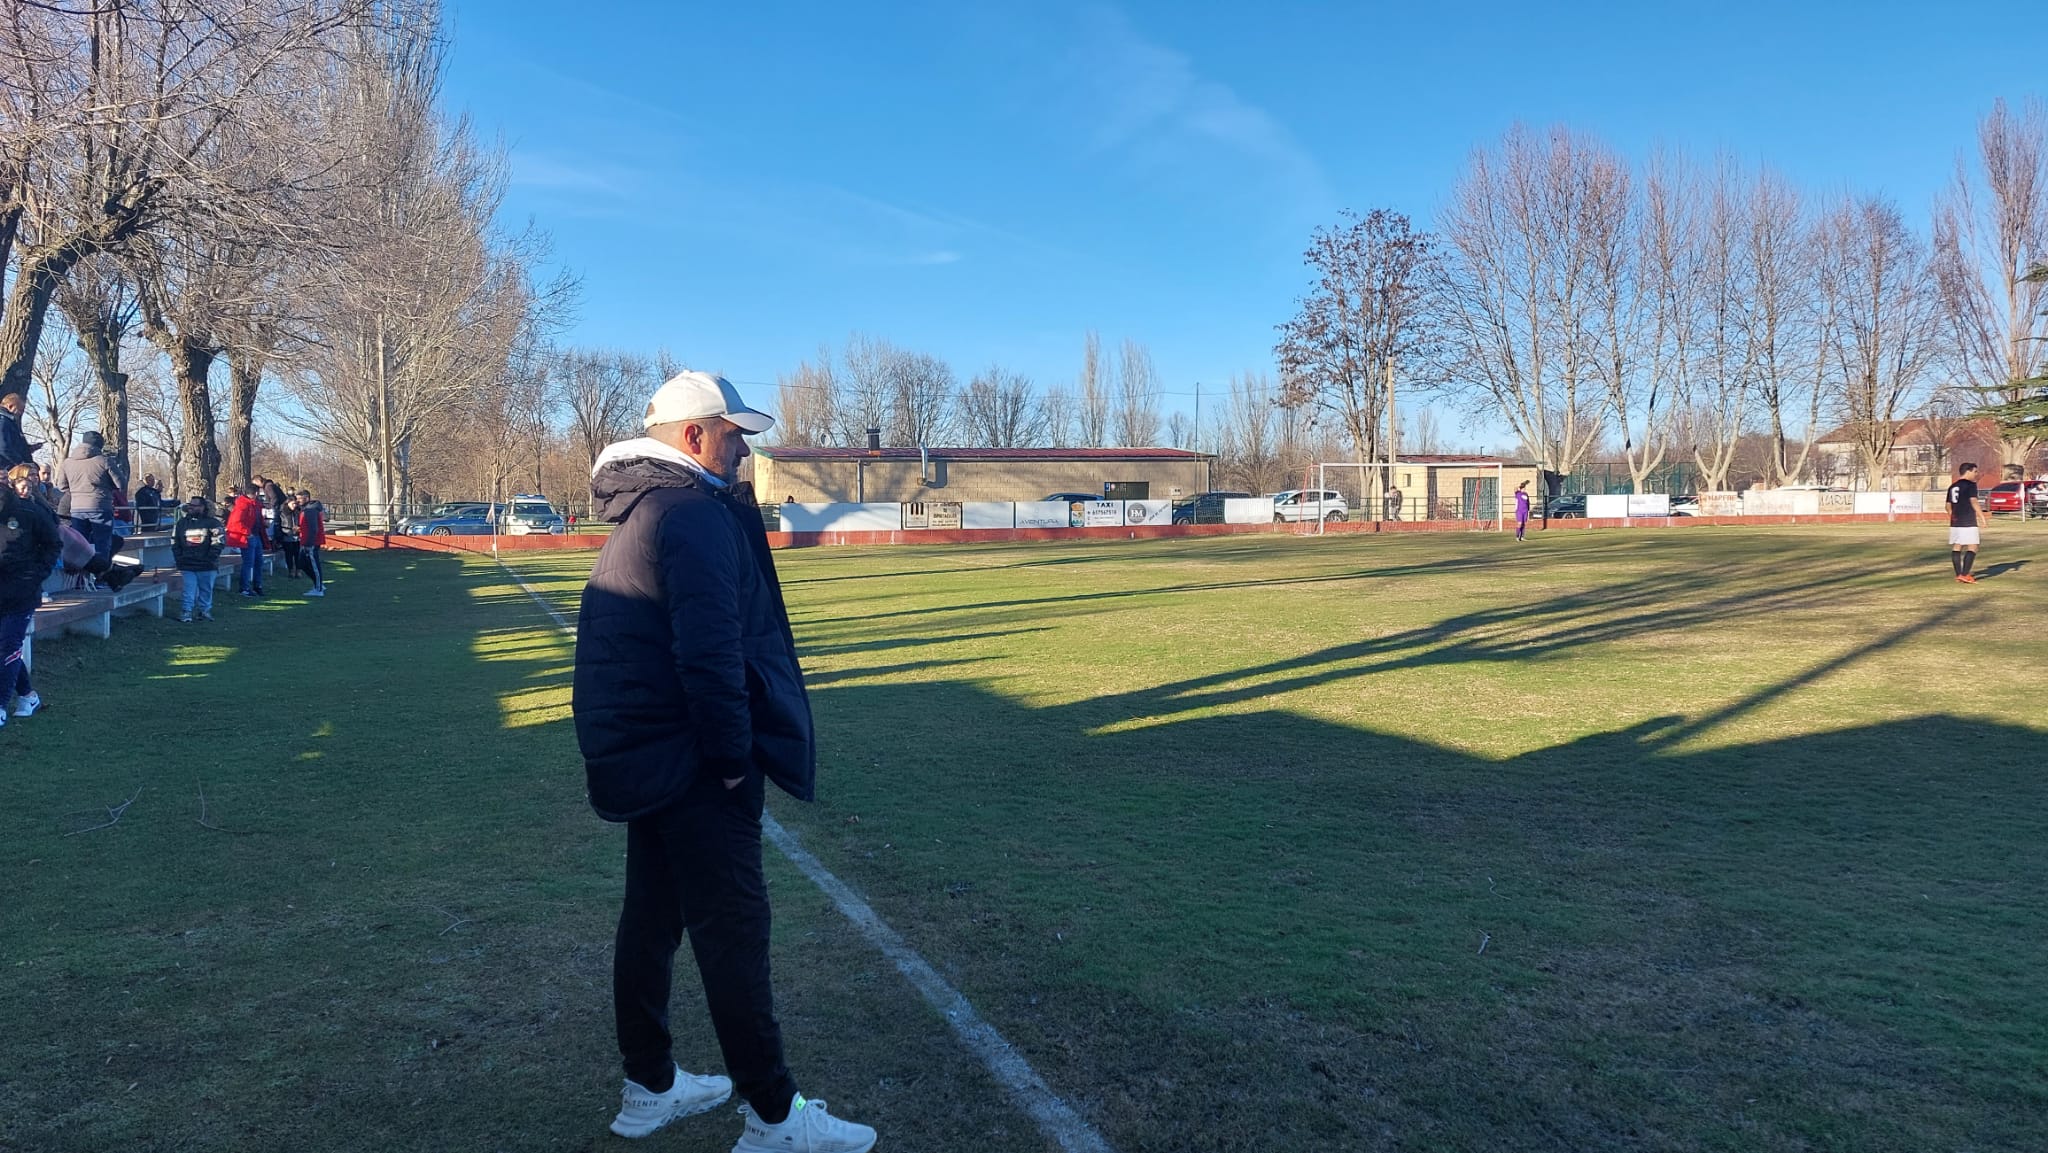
(312, 536)
(284, 532)
(196, 542)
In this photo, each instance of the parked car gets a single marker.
(1685, 504)
(525, 516)
(2006, 497)
(1205, 508)
(1298, 504)
(1569, 507)
(532, 515)
(1071, 497)
(459, 519)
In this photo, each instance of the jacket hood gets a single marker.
(631, 469)
(82, 451)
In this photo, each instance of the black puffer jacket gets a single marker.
(685, 663)
(29, 545)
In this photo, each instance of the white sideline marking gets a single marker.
(1056, 1119)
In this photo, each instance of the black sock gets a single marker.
(1955, 560)
(667, 1079)
(1969, 560)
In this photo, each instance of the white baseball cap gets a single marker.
(692, 395)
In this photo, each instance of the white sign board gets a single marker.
(1041, 514)
(1766, 502)
(1649, 504)
(988, 514)
(1142, 512)
(1608, 506)
(1248, 510)
(841, 517)
(1098, 514)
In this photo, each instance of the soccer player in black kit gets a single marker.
(1964, 514)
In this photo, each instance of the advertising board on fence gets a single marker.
(1095, 514)
(841, 517)
(988, 514)
(1142, 512)
(931, 514)
(1837, 502)
(1042, 514)
(1766, 502)
(1607, 506)
(1720, 504)
(1649, 504)
(1248, 510)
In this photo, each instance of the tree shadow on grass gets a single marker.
(1245, 931)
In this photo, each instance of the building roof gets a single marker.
(1918, 431)
(1074, 455)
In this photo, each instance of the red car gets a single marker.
(2006, 497)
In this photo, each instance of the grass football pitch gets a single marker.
(1691, 840)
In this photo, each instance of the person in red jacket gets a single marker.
(312, 535)
(245, 532)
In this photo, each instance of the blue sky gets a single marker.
(741, 183)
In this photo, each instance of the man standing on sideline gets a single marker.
(196, 542)
(1522, 511)
(245, 532)
(14, 447)
(29, 546)
(86, 483)
(149, 504)
(688, 698)
(1965, 514)
(312, 538)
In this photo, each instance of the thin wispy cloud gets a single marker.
(1148, 102)
(543, 171)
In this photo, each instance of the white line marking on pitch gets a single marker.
(1055, 1117)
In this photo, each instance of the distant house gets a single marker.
(901, 475)
(1923, 455)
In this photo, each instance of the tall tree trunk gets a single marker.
(21, 326)
(102, 347)
(246, 372)
(190, 363)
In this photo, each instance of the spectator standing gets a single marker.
(687, 698)
(284, 532)
(196, 543)
(86, 485)
(245, 532)
(29, 547)
(46, 487)
(14, 447)
(1522, 511)
(149, 504)
(312, 538)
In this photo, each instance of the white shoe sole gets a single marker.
(626, 1129)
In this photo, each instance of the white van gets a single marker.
(1299, 504)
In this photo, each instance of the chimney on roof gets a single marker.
(874, 440)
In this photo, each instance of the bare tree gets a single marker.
(62, 397)
(123, 111)
(1091, 413)
(1137, 392)
(100, 305)
(864, 399)
(1424, 432)
(602, 391)
(1889, 317)
(921, 399)
(424, 300)
(1724, 367)
(158, 428)
(1056, 416)
(807, 403)
(998, 410)
(1248, 441)
(1789, 324)
(1365, 314)
(1990, 233)
(1516, 292)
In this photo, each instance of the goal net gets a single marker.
(1447, 493)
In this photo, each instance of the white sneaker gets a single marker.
(316, 592)
(807, 1129)
(27, 706)
(642, 1111)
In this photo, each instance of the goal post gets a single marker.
(1446, 493)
